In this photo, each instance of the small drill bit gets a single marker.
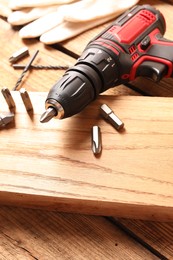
(41, 67)
(6, 119)
(108, 114)
(8, 97)
(96, 140)
(19, 54)
(48, 115)
(26, 99)
(25, 70)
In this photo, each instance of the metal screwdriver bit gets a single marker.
(6, 119)
(26, 99)
(25, 70)
(19, 54)
(41, 67)
(48, 115)
(108, 114)
(96, 140)
(8, 97)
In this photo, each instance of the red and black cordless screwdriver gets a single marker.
(131, 46)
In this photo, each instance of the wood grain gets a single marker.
(157, 235)
(10, 247)
(52, 165)
(48, 235)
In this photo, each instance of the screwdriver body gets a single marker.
(132, 46)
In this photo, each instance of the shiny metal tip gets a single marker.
(48, 115)
(6, 119)
(96, 140)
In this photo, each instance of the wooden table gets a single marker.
(41, 234)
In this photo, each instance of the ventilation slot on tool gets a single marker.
(135, 56)
(132, 49)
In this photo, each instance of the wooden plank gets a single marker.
(158, 235)
(46, 87)
(17, 244)
(34, 234)
(52, 165)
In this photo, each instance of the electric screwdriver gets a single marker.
(132, 46)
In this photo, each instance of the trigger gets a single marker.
(154, 70)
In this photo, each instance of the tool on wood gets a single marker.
(8, 97)
(25, 70)
(26, 99)
(132, 46)
(108, 114)
(6, 119)
(23, 52)
(41, 67)
(96, 142)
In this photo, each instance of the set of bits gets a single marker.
(9, 117)
(111, 117)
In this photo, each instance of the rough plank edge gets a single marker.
(86, 206)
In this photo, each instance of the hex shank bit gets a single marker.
(19, 54)
(108, 114)
(26, 99)
(8, 97)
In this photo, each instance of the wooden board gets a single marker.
(52, 165)
(37, 234)
(158, 235)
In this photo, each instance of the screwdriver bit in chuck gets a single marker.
(48, 115)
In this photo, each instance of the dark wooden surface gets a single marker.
(36, 234)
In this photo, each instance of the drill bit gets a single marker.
(26, 99)
(25, 70)
(6, 119)
(96, 139)
(41, 67)
(48, 115)
(108, 114)
(8, 97)
(19, 54)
